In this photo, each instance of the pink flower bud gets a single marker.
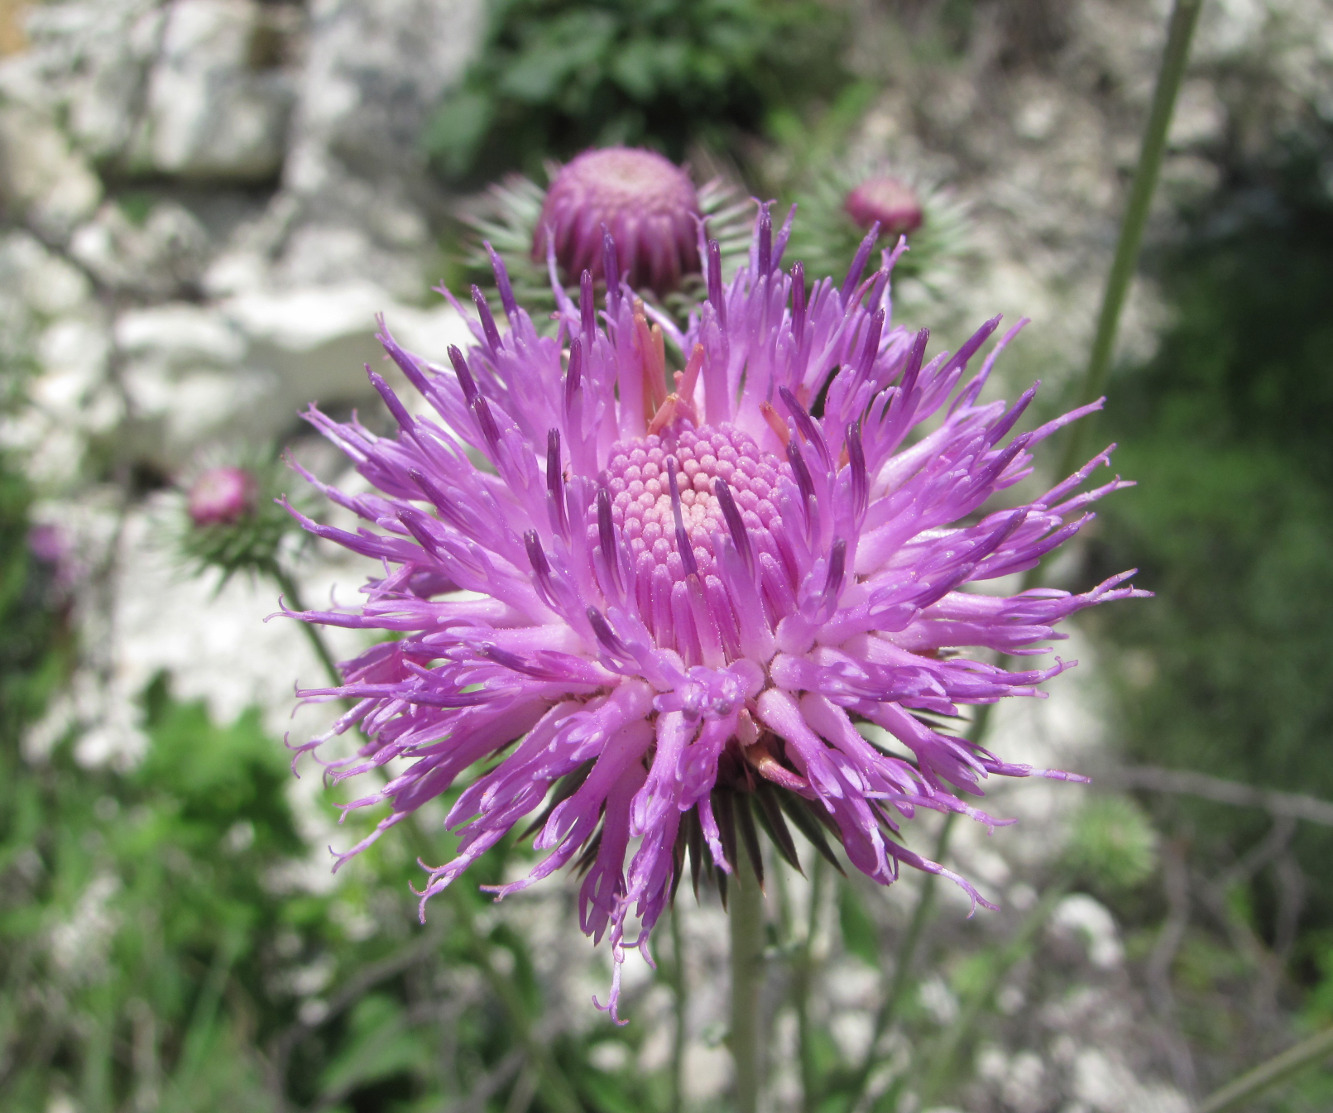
(647, 203)
(890, 201)
(221, 496)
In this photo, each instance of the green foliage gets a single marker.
(555, 77)
(1230, 670)
(157, 952)
(33, 638)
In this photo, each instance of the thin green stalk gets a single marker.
(803, 973)
(1237, 1094)
(746, 923)
(905, 967)
(557, 1090)
(292, 595)
(908, 962)
(1184, 16)
(679, 991)
(945, 1062)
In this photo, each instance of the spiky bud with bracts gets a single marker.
(840, 202)
(230, 521)
(649, 205)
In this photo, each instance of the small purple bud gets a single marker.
(645, 202)
(221, 496)
(890, 202)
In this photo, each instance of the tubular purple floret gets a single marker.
(740, 537)
(465, 379)
(611, 271)
(837, 567)
(715, 296)
(446, 506)
(859, 261)
(606, 537)
(856, 459)
(804, 483)
(587, 306)
(502, 284)
(1001, 428)
(555, 484)
(481, 409)
(915, 359)
(806, 424)
(406, 422)
(541, 567)
(405, 361)
(763, 257)
(683, 545)
(573, 374)
(487, 320)
(960, 358)
(870, 349)
(606, 636)
(798, 299)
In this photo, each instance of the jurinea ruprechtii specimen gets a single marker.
(661, 608)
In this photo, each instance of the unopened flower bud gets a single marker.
(222, 496)
(647, 203)
(889, 201)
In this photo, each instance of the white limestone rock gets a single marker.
(372, 75)
(213, 109)
(161, 256)
(1079, 916)
(43, 179)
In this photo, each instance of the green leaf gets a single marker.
(456, 130)
(382, 1044)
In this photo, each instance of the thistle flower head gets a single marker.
(673, 583)
(646, 202)
(222, 496)
(887, 201)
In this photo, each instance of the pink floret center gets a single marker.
(642, 505)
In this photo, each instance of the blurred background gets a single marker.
(203, 203)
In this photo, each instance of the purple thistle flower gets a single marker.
(661, 614)
(646, 202)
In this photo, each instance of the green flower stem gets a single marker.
(1237, 1094)
(746, 922)
(1184, 16)
(292, 595)
(803, 976)
(679, 992)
